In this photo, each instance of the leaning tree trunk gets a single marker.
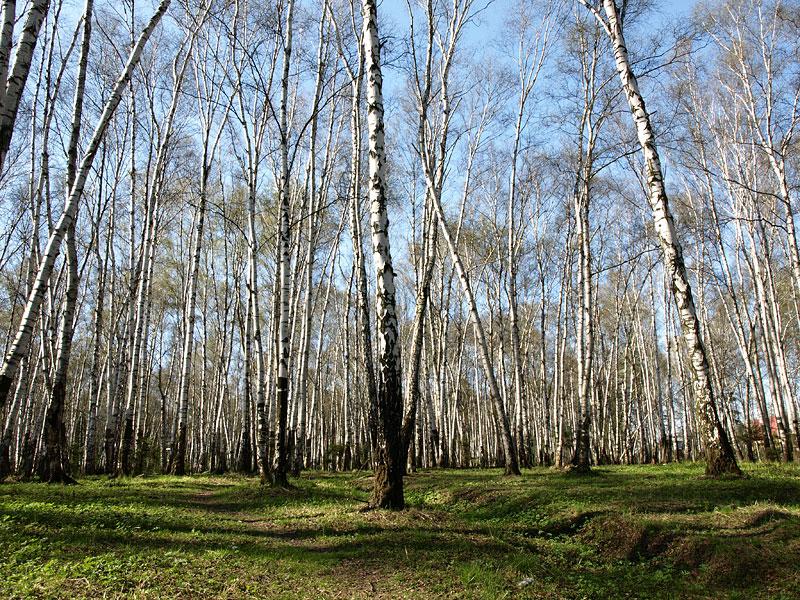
(22, 340)
(720, 459)
(12, 85)
(508, 448)
(388, 490)
(428, 260)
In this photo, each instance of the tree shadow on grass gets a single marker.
(354, 545)
(487, 496)
(460, 525)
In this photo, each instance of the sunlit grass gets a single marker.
(637, 532)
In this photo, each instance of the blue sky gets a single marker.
(397, 12)
(481, 36)
(486, 30)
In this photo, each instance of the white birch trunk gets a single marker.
(388, 490)
(720, 459)
(24, 332)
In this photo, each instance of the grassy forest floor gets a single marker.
(623, 532)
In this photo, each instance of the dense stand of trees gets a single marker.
(583, 237)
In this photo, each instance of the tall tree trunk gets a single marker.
(720, 459)
(582, 459)
(388, 490)
(56, 467)
(279, 476)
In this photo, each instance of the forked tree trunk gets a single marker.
(279, 475)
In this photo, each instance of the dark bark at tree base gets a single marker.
(667, 450)
(578, 469)
(388, 490)
(787, 454)
(579, 465)
(61, 477)
(26, 458)
(751, 457)
(347, 459)
(291, 449)
(296, 455)
(444, 455)
(5, 387)
(269, 454)
(179, 467)
(244, 464)
(581, 462)
(53, 465)
(265, 474)
(510, 467)
(433, 446)
(522, 451)
(721, 464)
(603, 458)
(5, 460)
(109, 452)
(142, 450)
(218, 461)
(126, 446)
(279, 480)
(53, 470)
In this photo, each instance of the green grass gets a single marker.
(623, 532)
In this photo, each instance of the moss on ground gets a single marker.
(623, 532)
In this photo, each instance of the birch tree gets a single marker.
(21, 342)
(388, 490)
(720, 459)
